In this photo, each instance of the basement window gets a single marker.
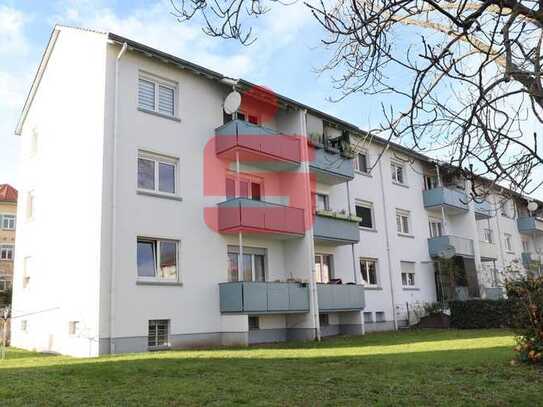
(158, 334)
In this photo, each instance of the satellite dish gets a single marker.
(232, 102)
(532, 206)
(447, 253)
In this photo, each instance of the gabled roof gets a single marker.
(7, 193)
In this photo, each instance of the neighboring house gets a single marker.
(8, 222)
(180, 225)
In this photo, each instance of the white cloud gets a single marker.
(12, 38)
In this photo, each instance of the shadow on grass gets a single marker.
(449, 377)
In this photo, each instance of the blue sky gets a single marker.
(284, 58)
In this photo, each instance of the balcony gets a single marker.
(483, 210)
(453, 201)
(329, 166)
(258, 145)
(340, 297)
(336, 231)
(529, 260)
(247, 215)
(488, 251)
(530, 224)
(246, 297)
(445, 246)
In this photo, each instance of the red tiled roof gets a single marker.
(7, 193)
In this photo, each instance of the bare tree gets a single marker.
(470, 72)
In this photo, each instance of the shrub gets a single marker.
(480, 314)
(526, 295)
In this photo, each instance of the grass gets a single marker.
(423, 368)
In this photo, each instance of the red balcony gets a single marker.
(256, 144)
(246, 215)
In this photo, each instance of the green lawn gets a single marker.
(427, 368)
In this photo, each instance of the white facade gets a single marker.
(78, 288)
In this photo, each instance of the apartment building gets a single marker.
(182, 225)
(8, 221)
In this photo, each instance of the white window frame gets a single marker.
(331, 273)
(27, 261)
(8, 217)
(5, 250)
(401, 213)
(488, 235)
(407, 274)
(30, 205)
(525, 246)
(431, 181)
(368, 205)
(508, 242)
(326, 198)
(157, 278)
(435, 221)
(250, 179)
(164, 345)
(159, 159)
(248, 251)
(357, 163)
(396, 165)
(365, 280)
(157, 82)
(74, 328)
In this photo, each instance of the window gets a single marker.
(408, 274)
(4, 284)
(430, 182)
(157, 96)
(250, 187)
(487, 235)
(8, 222)
(323, 268)
(368, 269)
(6, 252)
(157, 259)
(525, 246)
(380, 317)
(361, 162)
(30, 205)
(398, 175)
(156, 173)
(323, 203)
(436, 227)
(324, 320)
(251, 118)
(364, 210)
(24, 325)
(73, 328)
(158, 333)
(254, 323)
(508, 242)
(403, 222)
(254, 264)
(27, 270)
(368, 317)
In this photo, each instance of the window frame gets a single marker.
(435, 221)
(30, 209)
(357, 162)
(326, 200)
(394, 174)
(367, 205)
(251, 251)
(8, 217)
(156, 247)
(166, 344)
(366, 282)
(74, 328)
(331, 273)
(7, 252)
(243, 177)
(508, 242)
(157, 83)
(400, 213)
(158, 159)
(488, 237)
(407, 274)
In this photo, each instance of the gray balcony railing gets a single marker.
(530, 224)
(247, 297)
(262, 143)
(330, 166)
(243, 214)
(340, 297)
(459, 246)
(483, 209)
(335, 230)
(442, 196)
(488, 251)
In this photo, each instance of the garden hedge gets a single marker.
(481, 314)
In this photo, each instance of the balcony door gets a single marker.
(250, 187)
(254, 264)
(323, 268)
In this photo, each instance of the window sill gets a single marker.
(366, 174)
(362, 228)
(406, 235)
(165, 116)
(159, 195)
(400, 184)
(410, 289)
(509, 252)
(373, 288)
(160, 283)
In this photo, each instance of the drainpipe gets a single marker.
(241, 275)
(443, 219)
(499, 229)
(113, 273)
(389, 257)
(355, 274)
(313, 293)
